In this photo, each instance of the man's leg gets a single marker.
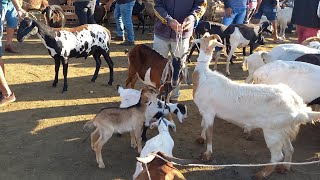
(126, 14)
(161, 46)
(240, 16)
(271, 14)
(12, 23)
(90, 13)
(118, 20)
(228, 20)
(81, 12)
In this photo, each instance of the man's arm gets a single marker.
(161, 12)
(21, 12)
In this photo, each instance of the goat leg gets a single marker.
(144, 133)
(106, 56)
(65, 73)
(96, 57)
(57, 66)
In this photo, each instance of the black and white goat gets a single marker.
(211, 28)
(65, 43)
(242, 35)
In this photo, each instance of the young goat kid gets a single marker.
(162, 142)
(158, 169)
(121, 120)
(130, 97)
(242, 35)
(65, 43)
(278, 110)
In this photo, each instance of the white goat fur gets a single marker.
(301, 77)
(162, 142)
(284, 18)
(276, 109)
(285, 52)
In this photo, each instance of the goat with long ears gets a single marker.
(276, 109)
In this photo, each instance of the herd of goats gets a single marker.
(281, 86)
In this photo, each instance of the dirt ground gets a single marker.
(41, 134)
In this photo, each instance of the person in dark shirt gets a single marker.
(269, 8)
(305, 16)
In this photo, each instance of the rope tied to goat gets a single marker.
(236, 165)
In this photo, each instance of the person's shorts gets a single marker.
(10, 14)
(269, 11)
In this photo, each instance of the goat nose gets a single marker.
(174, 84)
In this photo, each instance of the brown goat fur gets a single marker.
(114, 119)
(160, 170)
(139, 64)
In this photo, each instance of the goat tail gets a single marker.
(89, 125)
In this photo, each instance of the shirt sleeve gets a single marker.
(161, 12)
(199, 8)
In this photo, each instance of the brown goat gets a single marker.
(153, 69)
(159, 169)
(110, 120)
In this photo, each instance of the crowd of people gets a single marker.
(174, 21)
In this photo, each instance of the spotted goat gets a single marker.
(65, 43)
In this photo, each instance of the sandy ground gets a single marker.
(41, 133)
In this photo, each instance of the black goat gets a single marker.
(242, 35)
(212, 28)
(65, 43)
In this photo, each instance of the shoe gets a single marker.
(127, 43)
(6, 100)
(11, 49)
(118, 38)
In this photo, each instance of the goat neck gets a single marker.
(44, 31)
(162, 127)
(204, 57)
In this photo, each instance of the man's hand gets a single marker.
(228, 12)
(175, 25)
(108, 5)
(21, 13)
(188, 21)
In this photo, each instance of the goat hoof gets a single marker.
(64, 89)
(110, 83)
(54, 85)
(259, 176)
(102, 166)
(200, 140)
(206, 156)
(281, 169)
(93, 80)
(227, 74)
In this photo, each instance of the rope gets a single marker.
(240, 165)
(147, 171)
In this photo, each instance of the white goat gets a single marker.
(284, 18)
(162, 142)
(276, 109)
(301, 77)
(286, 52)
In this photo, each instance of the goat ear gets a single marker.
(173, 126)
(265, 57)
(154, 124)
(119, 88)
(147, 159)
(219, 44)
